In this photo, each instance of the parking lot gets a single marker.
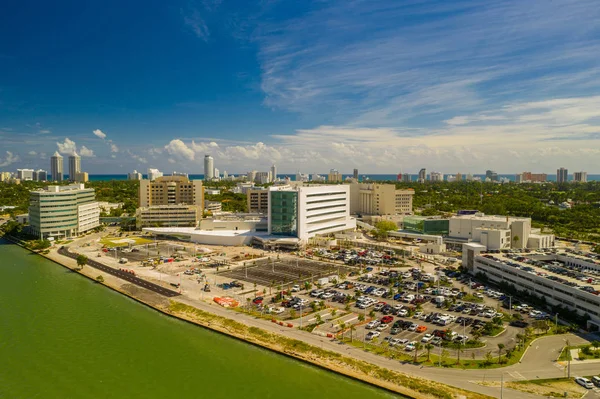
(267, 272)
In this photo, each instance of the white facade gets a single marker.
(154, 174)
(498, 232)
(580, 177)
(273, 173)
(40, 175)
(135, 175)
(88, 216)
(209, 167)
(318, 210)
(74, 166)
(213, 206)
(168, 215)
(436, 176)
(25, 174)
(56, 167)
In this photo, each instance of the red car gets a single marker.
(387, 319)
(258, 300)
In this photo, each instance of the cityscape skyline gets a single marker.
(253, 84)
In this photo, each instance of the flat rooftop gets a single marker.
(494, 218)
(548, 265)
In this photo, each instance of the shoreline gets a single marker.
(358, 370)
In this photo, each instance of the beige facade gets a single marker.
(258, 201)
(171, 190)
(168, 216)
(213, 206)
(334, 176)
(380, 199)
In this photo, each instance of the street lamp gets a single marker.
(568, 359)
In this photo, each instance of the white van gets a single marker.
(596, 380)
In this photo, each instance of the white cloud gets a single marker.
(32, 153)
(114, 148)
(194, 21)
(85, 152)
(67, 147)
(99, 133)
(45, 131)
(178, 148)
(10, 159)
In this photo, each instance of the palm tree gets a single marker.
(352, 329)
(418, 347)
(458, 352)
(361, 317)
(520, 338)
(429, 347)
(500, 347)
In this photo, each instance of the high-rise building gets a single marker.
(225, 174)
(334, 176)
(562, 175)
(406, 178)
(355, 174)
(63, 211)
(263, 177)
(5, 176)
(25, 174)
(273, 172)
(40, 175)
(216, 173)
(580, 177)
(519, 178)
(135, 175)
(422, 175)
(154, 174)
(209, 167)
(74, 166)
(175, 173)
(534, 177)
(459, 177)
(492, 175)
(251, 176)
(171, 190)
(436, 176)
(380, 199)
(305, 211)
(56, 167)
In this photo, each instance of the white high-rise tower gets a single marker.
(56, 167)
(273, 173)
(74, 166)
(209, 167)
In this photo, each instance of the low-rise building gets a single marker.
(171, 190)
(211, 191)
(213, 206)
(561, 278)
(63, 211)
(168, 216)
(25, 174)
(109, 206)
(429, 225)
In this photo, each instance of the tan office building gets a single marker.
(258, 201)
(380, 199)
(168, 216)
(171, 190)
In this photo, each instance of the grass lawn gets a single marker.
(555, 387)
(124, 241)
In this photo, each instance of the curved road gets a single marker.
(122, 275)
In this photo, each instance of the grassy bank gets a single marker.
(391, 380)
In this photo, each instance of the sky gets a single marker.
(382, 86)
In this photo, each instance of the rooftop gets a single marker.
(552, 265)
(495, 218)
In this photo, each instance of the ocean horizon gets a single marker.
(371, 177)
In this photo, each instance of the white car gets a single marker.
(413, 327)
(417, 315)
(427, 338)
(382, 327)
(584, 382)
(372, 334)
(296, 288)
(373, 324)
(410, 346)
(277, 310)
(403, 313)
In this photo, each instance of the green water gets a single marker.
(63, 336)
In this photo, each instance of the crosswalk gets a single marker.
(516, 375)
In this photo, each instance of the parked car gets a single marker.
(373, 324)
(387, 319)
(584, 382)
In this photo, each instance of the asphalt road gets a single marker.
(122, 275)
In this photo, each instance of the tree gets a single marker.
(361, 317)
(81, 261)
(500, 348)
(418, 347)
(100, 279)
(488, 358)
(516, 239)
(429, 347)
(445, 355)
(292, 313)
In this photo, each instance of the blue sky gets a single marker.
(384, 86)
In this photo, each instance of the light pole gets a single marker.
(568, 359)
(502, 386)
(510, 305)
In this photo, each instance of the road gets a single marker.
(122, 275)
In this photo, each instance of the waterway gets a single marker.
(64, 336)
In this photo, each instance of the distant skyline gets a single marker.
(381, 86)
